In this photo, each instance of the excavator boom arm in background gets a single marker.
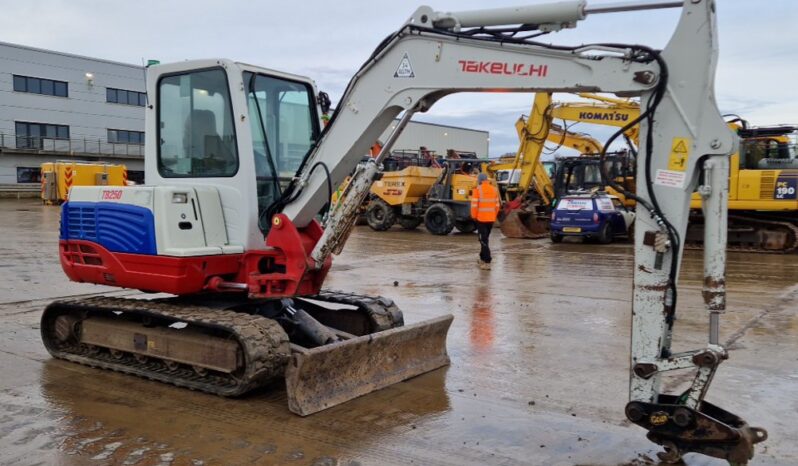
(584, 143)
(610, 112)
(533, 133)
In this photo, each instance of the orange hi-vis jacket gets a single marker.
(485, 203)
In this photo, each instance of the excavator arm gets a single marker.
(525, 213)
(607, 111)
(435, 54)
(581, 142)
(533, 132)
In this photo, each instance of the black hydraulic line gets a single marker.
(641, 54)
(329, 182)
(269, 158)
(653, 207)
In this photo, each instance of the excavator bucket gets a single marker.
(524, 224)
(322, 377)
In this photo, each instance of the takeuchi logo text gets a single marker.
(496, 67)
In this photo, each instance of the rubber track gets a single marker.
(383, 312)
(263, 342)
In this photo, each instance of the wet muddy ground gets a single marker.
(539, 350)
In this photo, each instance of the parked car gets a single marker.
(591, 216)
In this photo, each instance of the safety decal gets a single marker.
(670, 178)
(405, 69)
(680, 152)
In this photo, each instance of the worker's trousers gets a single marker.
(483, 230)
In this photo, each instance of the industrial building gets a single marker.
(440, 138)
(56, 106)
(60, 106)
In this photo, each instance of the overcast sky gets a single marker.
(328, 40)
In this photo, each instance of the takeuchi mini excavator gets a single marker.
(239, 170)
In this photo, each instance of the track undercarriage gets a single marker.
(759, 232)
(229, 346)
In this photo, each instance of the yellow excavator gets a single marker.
(525, 213)
(526, 185)
(763, 177)
(763, 181)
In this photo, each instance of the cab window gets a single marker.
(196, 134)
(282, 117)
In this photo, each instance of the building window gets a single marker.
(29, 175)
(30, 135)
(121, 96)
(41, 86)
(122, 136)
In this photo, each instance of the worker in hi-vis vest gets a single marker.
(485, 206)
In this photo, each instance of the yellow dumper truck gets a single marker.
(398, 197)
(438, 196)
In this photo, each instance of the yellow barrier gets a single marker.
(59, 177)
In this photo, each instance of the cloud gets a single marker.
(328, 41)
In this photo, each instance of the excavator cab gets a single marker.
(582, 174)
(768, 148)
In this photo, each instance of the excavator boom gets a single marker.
(528, 197)
(608, 112)
(584, 143)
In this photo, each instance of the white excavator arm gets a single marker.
(435, 54)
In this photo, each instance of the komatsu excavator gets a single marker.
(528, 191)
(238, 155)
(763, 193)
(510, 170)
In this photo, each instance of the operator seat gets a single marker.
(209, 154)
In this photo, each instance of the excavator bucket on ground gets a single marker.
(524, 224)
(322, 377)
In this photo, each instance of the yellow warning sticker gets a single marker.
(680, 153)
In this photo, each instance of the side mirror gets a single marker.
(324, 102)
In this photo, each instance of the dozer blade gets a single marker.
(520, 224)
(322, 377)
